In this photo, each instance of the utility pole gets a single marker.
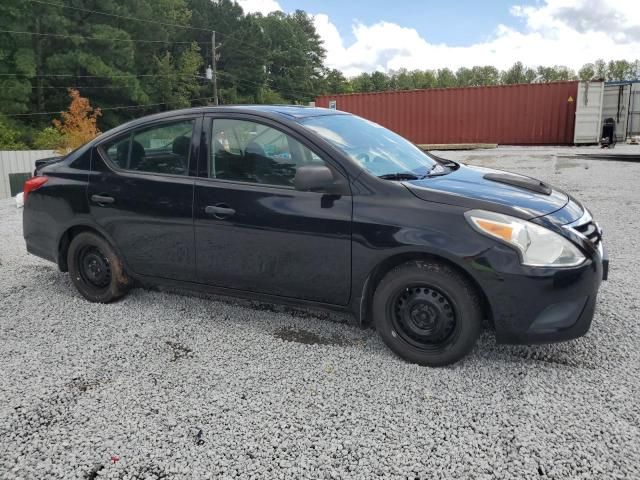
(214, 77)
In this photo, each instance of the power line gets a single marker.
(104, 39)
(184, 75)
(123, 107)
(69, 75)
(82, 87)
(138, 19)
(242, 80)
(124, 17)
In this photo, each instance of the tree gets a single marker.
(379, 81)
(48, 138)
(446, 78)
(555, 74)
(78, 125)
(424, 79)
(486, 75)
(243, 49)
(175, 82)
(518, 73)
(362, 83)
(600, 68)
(619, 70)
(10, 136)
(295, 62)
(402, 80)
(334, 81)
(587, 72)
(17, 56)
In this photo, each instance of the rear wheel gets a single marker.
(95, 269)
(427, 313)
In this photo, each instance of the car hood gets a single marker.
(496, 190)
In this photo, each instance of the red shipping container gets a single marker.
(523, 114)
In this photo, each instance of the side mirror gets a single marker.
(313, 178)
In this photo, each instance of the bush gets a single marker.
(48, 139)
(10, 136)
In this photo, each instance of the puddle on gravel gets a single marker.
(292, 334)
(554, 359)
(294, 311)
(560, 163)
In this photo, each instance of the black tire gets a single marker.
(427, 313)
(95, 269)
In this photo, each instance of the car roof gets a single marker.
(291, 112)
(284, 112)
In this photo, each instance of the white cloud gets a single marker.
(259, 6)
(556, 32)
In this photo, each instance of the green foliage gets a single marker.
(268, 96)
(10, 136)
(175, 82)
(296, 56)
(278, 58)
(518, 73)
(587, 72)
(48, 138)
(555, 74)
(487, 75)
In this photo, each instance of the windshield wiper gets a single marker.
(400, 176)
(432, 173)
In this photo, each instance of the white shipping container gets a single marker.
(598, 101)
(588, 112)
(615, 104)
(633, 122)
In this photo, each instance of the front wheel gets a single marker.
(95, 269)
(427, 313)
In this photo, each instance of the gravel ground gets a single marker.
(183, 386)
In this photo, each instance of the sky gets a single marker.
(364, 36)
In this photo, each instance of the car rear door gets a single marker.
(253, 230)
(141, 194)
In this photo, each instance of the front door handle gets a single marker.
(219, 211)
(102, 199)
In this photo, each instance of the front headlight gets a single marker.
(538, 246)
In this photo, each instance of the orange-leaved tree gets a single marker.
(78, 124)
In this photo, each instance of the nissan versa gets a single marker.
(319, 207)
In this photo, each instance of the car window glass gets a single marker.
(251, 152)
(118, 151)
(159, 149)
(377, 149)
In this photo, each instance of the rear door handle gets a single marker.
(219, 211)
(102, 199)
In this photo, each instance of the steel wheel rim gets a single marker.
(94, 267)
(424, 317)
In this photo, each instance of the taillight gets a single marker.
(32, 184)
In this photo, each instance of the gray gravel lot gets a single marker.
(183, 386)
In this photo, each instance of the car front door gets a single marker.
(141, 194)
(253, 230)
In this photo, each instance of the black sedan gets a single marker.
(318, 207)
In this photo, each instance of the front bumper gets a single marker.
(539, 305)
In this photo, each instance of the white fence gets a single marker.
(20, 161)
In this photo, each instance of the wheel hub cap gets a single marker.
(95, 267)
(423, 315)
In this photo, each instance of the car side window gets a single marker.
(248, 151)
(161, 148)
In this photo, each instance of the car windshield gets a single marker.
(379, 150)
